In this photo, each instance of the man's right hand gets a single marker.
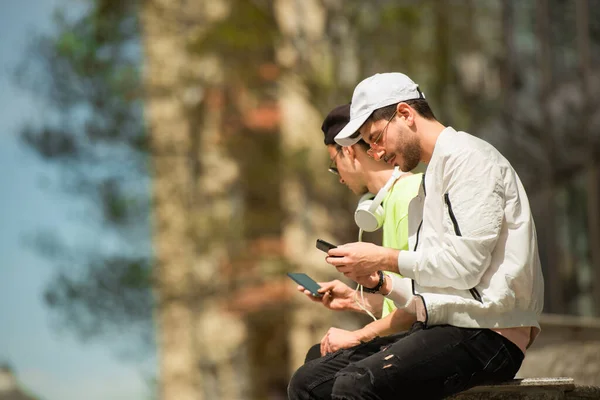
(337, 295)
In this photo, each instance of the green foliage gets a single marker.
(244, 40)
(50, 143)
(247, 29)
(90, 71)
(109, 296)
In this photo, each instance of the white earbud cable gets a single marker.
(362, 304)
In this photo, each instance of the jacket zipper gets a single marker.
(421, 224)
(452, 216)
(415, 249)
(418, 232)
(473, 291)
(413, 281)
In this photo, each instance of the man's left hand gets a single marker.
(360, 259)
(336, 339)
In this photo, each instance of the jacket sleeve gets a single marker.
(473, 211)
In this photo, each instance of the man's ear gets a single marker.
(349, 151)
(405, 111)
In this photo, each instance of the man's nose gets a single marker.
(378, 154)
(341, 180)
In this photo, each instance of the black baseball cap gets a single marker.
(335, 121)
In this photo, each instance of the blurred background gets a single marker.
(162, 167)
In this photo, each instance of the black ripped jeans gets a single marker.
(424, 363)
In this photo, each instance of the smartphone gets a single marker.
(307, 282)
(325, 246)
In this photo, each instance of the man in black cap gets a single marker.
(363, 175)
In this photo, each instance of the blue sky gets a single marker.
(52, 365)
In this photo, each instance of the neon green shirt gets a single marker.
(395, 224)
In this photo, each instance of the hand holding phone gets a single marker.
(325, 246)
(307, 282)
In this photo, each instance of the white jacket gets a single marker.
(474, 257)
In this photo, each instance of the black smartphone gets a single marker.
(325, 246)
(307, 282)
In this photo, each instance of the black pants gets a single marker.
(423, 363)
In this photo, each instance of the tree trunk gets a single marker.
(194, 177)
(555, 298)
(165, 58)
(593, 170)
(441, 59)
(303, 25)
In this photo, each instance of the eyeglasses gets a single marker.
(332, 166)
(374, 143)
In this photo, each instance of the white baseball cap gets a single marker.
(375, 92)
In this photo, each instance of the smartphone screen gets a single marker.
(307, 282)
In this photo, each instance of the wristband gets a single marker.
(378, 286)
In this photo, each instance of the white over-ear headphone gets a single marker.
(369, 214)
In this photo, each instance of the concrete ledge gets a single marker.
(556, 384)
(531, 388)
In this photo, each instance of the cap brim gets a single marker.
(349, 134)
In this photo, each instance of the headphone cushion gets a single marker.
(365, 219)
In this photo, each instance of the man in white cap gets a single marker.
(477, 289)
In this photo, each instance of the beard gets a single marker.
(410, 153)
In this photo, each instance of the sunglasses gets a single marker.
(332, 165)
(374, 143)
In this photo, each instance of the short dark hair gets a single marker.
(420, 106)
(333, 124)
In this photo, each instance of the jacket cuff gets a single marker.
(407, 261)
(401, 292)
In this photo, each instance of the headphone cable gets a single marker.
(360, 288)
